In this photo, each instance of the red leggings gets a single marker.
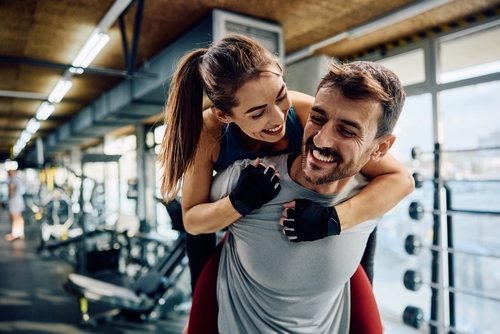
(365, 317)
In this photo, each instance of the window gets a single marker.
(409, 66)
(467, 56)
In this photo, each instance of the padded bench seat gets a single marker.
(97, 290)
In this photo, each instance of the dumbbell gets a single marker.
(416, 153)
(413, 244)
(418, 179)
(413, 316)
(416, 210)
(412, 280)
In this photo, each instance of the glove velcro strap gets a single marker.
(333, 227)
(242, 208)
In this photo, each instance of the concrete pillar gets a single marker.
(305, 75)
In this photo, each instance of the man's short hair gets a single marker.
(362, 80)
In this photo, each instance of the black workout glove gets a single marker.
(310, 221)
(256, 186)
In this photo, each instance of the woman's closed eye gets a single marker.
(259, 115)
(283, 97)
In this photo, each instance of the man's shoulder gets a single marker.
(354, 186)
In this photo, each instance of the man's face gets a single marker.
(339, 136)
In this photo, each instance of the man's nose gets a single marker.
(326, 137)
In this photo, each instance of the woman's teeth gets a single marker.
(278, 128)
(322, 158)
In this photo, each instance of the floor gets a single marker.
(33, 300)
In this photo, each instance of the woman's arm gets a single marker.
(302, 104)
(391, 182)
(199, 215)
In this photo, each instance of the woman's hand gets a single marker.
(304, 220)
(256, 186)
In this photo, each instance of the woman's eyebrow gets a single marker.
(255, 108)
(265, 105)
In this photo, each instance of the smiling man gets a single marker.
(267, 284)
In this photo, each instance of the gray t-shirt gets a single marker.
(267, 284)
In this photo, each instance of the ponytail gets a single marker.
(219, 71)
(183, 122)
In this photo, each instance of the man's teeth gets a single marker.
(322, 158)
(274, 129)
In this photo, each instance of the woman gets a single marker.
(252, 114)
(16, 207)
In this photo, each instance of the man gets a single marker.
(267, 284)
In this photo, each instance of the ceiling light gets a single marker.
(11, 165)
(395, 17)
(90, 50)
(399, 15)
(32, 126)
(44, 111)
(76, 70)
(25, 136)
(18, 147)
(60, 90)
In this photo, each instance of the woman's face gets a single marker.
(263, 107)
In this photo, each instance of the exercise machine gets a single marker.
(141, 301)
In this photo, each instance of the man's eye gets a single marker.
(317, 120)
(347, 133)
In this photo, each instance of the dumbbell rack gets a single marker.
(442, 312)
(442, 285)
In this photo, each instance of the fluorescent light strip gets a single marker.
(90, 49)
(377, 24)
(33, 126)
(397, 16)
(20, 144)
(11, 165)
(25, 136)
(60, 90)
(44, 111)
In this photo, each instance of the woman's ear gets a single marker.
(222, 117)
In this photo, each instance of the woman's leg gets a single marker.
(204, 309)
(367, 261)
(199, 249)
(17, 227)
(365, 317)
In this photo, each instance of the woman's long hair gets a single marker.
(218, 72)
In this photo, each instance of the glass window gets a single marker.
(469, 56)
(471, 121)
(409, 66)
(471, 168)
(414, 128)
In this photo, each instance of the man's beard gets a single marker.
(340, 171)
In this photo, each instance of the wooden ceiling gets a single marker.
(37, 36)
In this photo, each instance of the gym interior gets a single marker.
(83, 87)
